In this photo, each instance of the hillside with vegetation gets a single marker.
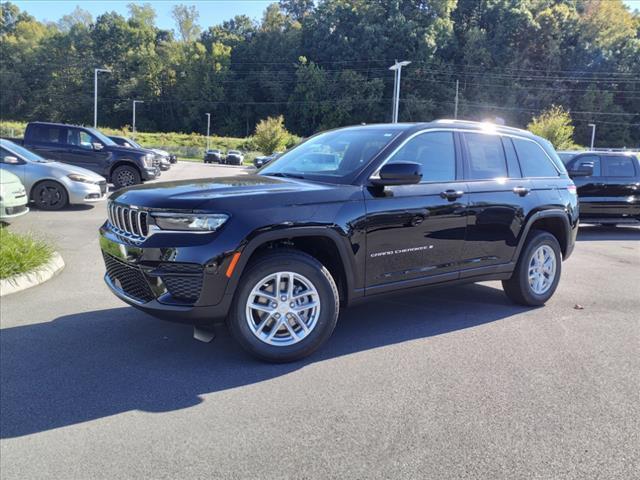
(325, 64)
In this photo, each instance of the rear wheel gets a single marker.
(49, 195)
(285, 308)
(125, 176)
(537, 272)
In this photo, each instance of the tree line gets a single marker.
(325, 64)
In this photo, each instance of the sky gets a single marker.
(212, 12)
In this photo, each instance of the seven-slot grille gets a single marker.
(132, 223)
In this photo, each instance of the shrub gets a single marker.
(555, 125)
(270, 135)
(21, 253)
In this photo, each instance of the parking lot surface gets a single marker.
(445, 383)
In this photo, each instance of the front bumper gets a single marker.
(150, 173)
(8, 212)
(182, 283)
(81, 192)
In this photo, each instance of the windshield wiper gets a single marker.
(284, 175)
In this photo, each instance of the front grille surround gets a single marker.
(129, 222)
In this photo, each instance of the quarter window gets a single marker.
(435, 152)
(619, 167)
(486, 156)
(533, 160)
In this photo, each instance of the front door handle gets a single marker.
(452, 194)
(522, 191)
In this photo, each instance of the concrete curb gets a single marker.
(40, 275)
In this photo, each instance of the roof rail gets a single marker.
(472, 122)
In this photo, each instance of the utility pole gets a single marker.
(95, 94)
(133, 127)
(593, 134)
(455, 111)
(208, 127)
(397, 68)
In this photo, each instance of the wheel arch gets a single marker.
(124, 163)
(555, 221)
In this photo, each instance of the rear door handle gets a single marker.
(522, 191)
(452, 194)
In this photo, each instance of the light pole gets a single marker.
(593, 134)
(397, 68)
(95, 94)
(208, 127)
(133, 127)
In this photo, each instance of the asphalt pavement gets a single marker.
(441, 383)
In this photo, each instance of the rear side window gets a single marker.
(435, 152)
(533, 160)
(46, 133)
(486, 156)
(585, 161)
(619, 167)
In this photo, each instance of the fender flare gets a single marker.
(347, 259)
(551, 213)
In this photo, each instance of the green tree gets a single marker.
(555, 125)
(143, 14)
(270, 135)
(186, 18)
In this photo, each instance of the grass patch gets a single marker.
(21, 253)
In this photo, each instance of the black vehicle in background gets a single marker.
(260, 162)
(344, 216)
(88, 148)
(213, 156)
(608, 186)
(163, 158)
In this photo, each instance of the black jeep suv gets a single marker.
(346, 215)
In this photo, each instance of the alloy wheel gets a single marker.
(542, 269)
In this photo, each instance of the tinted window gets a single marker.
(512, 159)
(434, 151)
(585, 161)
(46, 133)
(619, 167)
(486, 156)
(533, 161)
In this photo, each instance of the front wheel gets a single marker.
(537, 272)
(125, 176)
(49, 195)
(285, 308)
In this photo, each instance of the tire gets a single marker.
(289, 342)
(519, 287)
(125, 176)
(49, 195)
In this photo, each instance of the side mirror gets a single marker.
(97, 146)
(10, 160)
(405, 173)
(585, 171)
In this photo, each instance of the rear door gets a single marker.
(592, 189)
(415, 233)
(622, 185)
(499, 198)
(48, 141)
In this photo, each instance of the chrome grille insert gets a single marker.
(128, 222)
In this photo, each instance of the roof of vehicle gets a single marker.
(57, 124)
(608, 153)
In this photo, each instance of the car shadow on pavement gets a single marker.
(599, 233)
(91, 365)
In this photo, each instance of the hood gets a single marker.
(127, 150)
(200, 193)
(164, 153)
(62, 169)
(8, 178)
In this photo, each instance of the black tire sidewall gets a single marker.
(135, 173)
(539, 239)
(64, 197)
(324, 284)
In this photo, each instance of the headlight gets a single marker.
(148, 160)
(77, 177)
(195, 222)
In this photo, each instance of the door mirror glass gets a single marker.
(11, 160)
(583, 171)
(401, 173)
(97, 146)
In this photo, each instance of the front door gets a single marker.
(415, 233)
(81, 150)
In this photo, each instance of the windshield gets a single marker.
(102, 137)
(333, 154)
(134, 144)
(22, 152)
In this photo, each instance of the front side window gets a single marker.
(586, 161)
(434, 151)
(486, 156)
(533, 160)
(619, 166)
(80, 138)
(334, 155)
